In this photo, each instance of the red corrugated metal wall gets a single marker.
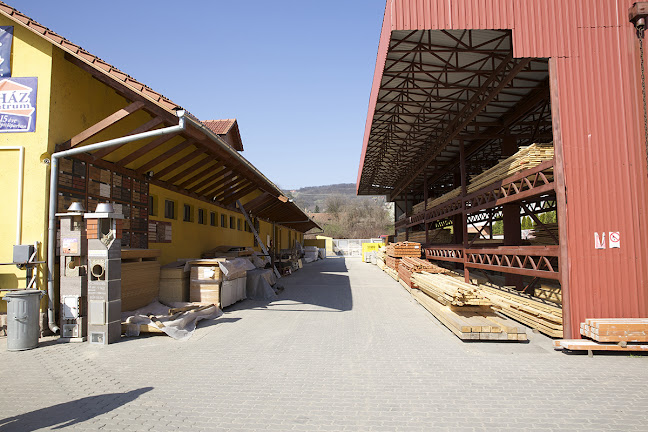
(595, 56)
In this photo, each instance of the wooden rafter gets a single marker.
(102, 125)
(155, 121)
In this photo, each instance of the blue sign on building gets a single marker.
(18, 104)
(6, 39)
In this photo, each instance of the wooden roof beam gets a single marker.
(101, 125)
(155, 121)
(164, 156)
(175, 165)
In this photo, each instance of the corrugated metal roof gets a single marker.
(596, 111)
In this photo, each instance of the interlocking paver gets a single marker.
(344, 347)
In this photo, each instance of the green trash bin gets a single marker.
(22, 319)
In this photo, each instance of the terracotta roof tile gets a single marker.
(220, 127)
(84, 55)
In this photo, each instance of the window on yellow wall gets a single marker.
(188, 213)
(152, 205)
(169, 209)
(238, 224)
(232, 222)
(212, 218)
(223, 221)
(201, 216)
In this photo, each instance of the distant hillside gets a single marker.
(313, 198)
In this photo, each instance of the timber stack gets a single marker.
(543, 237)
(408, 266)
(461, 308)
(609, 334)
(526, 158)
(538, 314)
(396, 251)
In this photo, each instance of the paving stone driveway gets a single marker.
(343, 348)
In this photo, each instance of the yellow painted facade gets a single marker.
(31, 57)
(70, 100)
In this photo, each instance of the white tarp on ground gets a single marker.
(179, 326)
(259, 284)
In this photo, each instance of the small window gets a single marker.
(223, 221)
(232, 222)
(169, 209)
(238, 224)
(187, 213)
(212, 218)
(201, 216)
(152, 205)
(246, 227)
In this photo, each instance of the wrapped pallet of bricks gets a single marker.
(206, 278)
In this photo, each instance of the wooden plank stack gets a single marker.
(542, 237)
(392, 262)
(448, 291)
(588, 345)
(472, 323)
(615, 329)
(539, 314)
(525, 158)
(404, 249)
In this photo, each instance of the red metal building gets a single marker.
(460, 80)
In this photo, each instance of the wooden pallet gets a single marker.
(588, 345)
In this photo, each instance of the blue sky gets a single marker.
(296, 74)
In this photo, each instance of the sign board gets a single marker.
(599, 240)
(18, 104)
(615, 240)
(6, 39)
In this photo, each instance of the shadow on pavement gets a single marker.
(319, 284)
(70, 413)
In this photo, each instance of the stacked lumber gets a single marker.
(539, 314)
(551, 293)
(615, 329)
(433, 202)
(417, 265)
(448, 291)
(392, 262)
(417, 236)
(391, 272)
(436, 236)
(206, 278)
(472, 323)
(542, 237)
(403, 249)
(525, 158)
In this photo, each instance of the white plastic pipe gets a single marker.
(21, 181)
(51, 232)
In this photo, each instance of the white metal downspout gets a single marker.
(21, 181)
(51, 232)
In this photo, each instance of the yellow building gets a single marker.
(178, 191)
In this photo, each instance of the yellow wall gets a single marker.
(191, 239)
(69, 101)
(31, 57)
